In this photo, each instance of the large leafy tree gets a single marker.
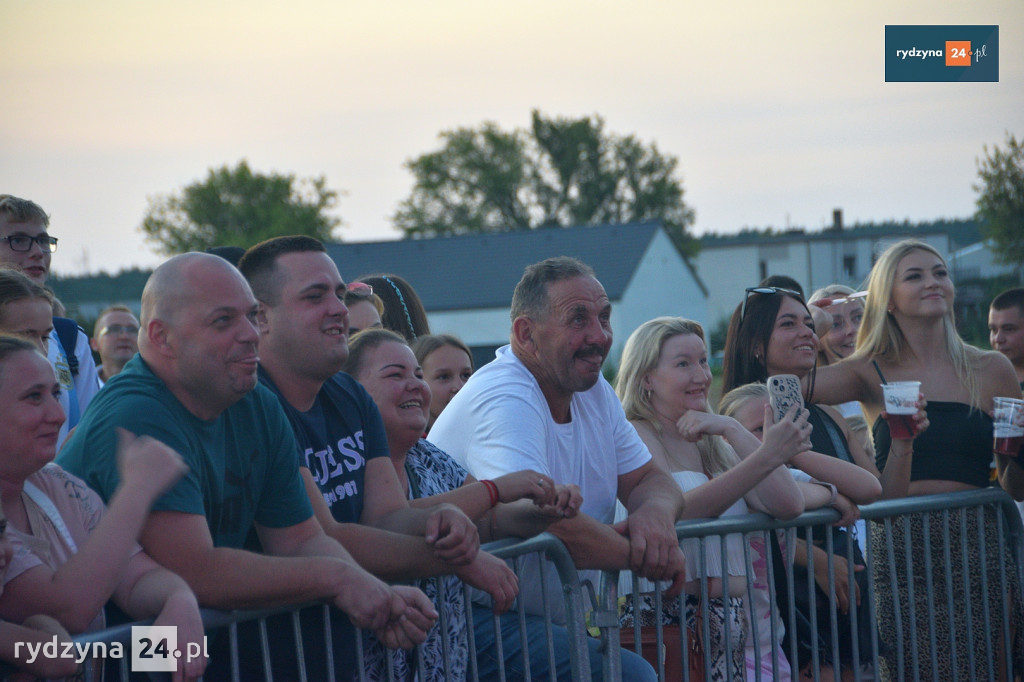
(237, 207)
(1000, 200)
(562, 171)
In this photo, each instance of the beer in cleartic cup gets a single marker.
(1008, 426)
(900, 407)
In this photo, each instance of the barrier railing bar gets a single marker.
(933, 643)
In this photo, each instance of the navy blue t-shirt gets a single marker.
(337, 436)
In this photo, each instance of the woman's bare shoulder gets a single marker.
(995, 371)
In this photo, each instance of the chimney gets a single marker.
(837, 220)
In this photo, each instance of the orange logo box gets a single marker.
(958, 53)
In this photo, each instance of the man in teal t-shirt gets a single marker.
(193, 386)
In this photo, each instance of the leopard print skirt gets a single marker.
(965, 636)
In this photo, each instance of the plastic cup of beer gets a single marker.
(900, 407)
(1008, 426)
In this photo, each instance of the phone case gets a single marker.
(783, 393)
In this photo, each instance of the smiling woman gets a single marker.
(383, 363)
(70, 553)
(909, 334)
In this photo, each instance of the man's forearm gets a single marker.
(592, 544)
(237, 579)
(389, 556)
(659, 491)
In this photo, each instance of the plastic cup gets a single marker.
(1008, 426)
(900, 405)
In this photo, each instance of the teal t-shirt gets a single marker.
(242, 465)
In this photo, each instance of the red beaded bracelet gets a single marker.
(492, 490)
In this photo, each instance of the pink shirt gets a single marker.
(80, 509)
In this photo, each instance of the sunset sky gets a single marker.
(778, 112)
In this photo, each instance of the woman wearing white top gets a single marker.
(663, 383)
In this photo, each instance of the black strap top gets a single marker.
(956, 447)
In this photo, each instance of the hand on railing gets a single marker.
(653, 553)
(849, 513)
(842, 578)
(492, 575)
(409, 620)
(180, 612)
(453, 535)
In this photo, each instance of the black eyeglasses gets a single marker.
(129, 329)
(23, 242)
(764, 291)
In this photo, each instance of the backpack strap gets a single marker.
(67, 333)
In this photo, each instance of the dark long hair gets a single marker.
(746, 343)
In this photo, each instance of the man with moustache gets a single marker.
(542, 404)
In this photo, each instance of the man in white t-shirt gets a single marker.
(543, 405)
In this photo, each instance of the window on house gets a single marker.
(850, 266)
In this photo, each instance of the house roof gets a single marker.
(480, 271)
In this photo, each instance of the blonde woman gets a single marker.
(663, 383)
(908, 333)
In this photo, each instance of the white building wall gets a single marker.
(726, 271)
(481, 327)
(661, 285)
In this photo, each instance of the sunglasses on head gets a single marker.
(764, 291)
(359, 289)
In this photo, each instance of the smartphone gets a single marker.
(783, 393)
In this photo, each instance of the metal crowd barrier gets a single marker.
(932, 565)
(267, 638)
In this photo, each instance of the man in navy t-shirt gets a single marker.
(344, 456)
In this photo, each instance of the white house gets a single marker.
(466, 282)
(728, 265)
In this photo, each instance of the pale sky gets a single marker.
(778, 112)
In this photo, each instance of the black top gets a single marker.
(827, 436)
(956, 447)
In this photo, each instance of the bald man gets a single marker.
(193, 386)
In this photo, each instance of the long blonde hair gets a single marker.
(639, 358)
(880, 335)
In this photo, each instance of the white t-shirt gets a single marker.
(500, 422)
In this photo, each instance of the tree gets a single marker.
(1001, 199)
(560, 172)
(236, 207)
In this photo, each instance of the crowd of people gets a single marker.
(265, 434)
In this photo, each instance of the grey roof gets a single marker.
(480, 271)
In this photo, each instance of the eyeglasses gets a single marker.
(764, 291)
(360, 289)
(23, 242)
(131, 330)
